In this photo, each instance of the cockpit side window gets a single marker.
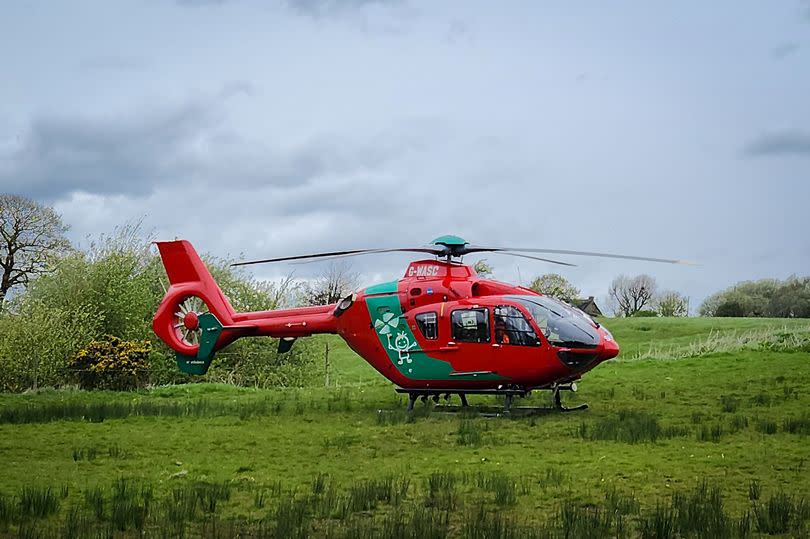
(511, 327)
(470, 325)
(428, 324)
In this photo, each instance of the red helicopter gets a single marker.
(441, 330)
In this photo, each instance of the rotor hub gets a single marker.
(191, 320)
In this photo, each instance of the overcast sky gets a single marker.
(272, 128)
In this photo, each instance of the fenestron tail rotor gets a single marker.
(187, 320)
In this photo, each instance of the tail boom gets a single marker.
(195, 334)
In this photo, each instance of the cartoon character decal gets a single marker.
(402, 344)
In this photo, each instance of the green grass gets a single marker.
(669, 446)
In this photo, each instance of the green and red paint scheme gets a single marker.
(405, 329)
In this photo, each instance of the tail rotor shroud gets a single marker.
(187, 320)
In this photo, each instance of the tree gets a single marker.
(631, 294)
(672, 303)
(556, 286)
(336, 282)
(30, 234)
(765, 297)
(483, 269)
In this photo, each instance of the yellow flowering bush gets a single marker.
(112, 363)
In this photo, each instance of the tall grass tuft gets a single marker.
(659, 523)
(95, 500)
(291, 519)
(710, 433)
(552, 478)
(619, 503)
(738, 422)
(365, 495)
(773, 339)
(701, 512)
(753, 490)
(6, 512)
(628, 426)
(767, 426)
(729, 403)
(210, 494)
(482, 524)
(77, 525)
(781, 514)
(587, 522)
(501, 485)
(129, 504)
(37, 502)
(441, 491)
(181, 505)
(97, 412)
(319, 483)
(421, 523)
(797, 425)
(469, 432)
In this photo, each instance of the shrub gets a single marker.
(645, 313)
(112, 363)
(36, 344)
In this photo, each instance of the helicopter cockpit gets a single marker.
(561, 324)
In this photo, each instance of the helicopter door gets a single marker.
(470, 333)
(514, 336)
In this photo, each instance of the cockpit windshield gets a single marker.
(562, 324)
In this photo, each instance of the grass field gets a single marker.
(700, 428)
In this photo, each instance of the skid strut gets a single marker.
(558, 405)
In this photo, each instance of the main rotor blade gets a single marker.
(342, 254)
(474, 249)
(536, 258)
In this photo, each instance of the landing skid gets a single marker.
(508, 394)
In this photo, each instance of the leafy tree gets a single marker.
(631, 294)
(556, 286)
(672, 303)
(483, 269)
(765, 297)
(792, 300)
(30, 235)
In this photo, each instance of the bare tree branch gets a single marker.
(31, 234)
(337, 281)
(629, 295)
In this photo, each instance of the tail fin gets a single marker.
(192, 314)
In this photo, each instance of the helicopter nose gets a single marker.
(610, 348)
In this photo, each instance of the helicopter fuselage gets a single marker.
(441, 326)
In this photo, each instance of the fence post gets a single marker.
(326, 365)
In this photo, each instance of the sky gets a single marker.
(281, 127)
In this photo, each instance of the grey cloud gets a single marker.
(784, 142)
(191, 143)
(59, 155)
(785, 49)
